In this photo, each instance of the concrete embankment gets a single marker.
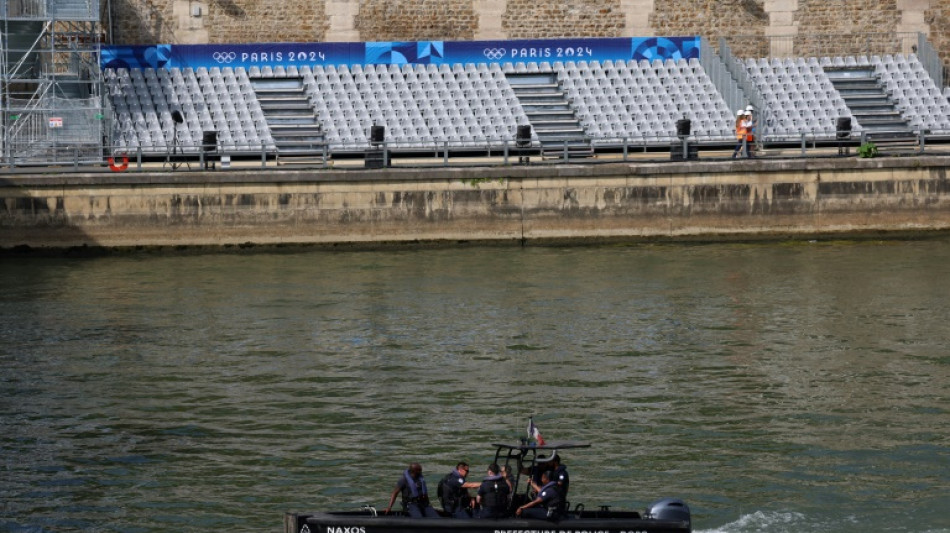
(618, 201)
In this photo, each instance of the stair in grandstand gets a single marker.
(291, 118)
(872, 107)
(551, 115)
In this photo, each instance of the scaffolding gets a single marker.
(51, 81)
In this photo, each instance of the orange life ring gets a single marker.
(119, 168)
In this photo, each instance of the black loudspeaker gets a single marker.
(176, 116)
(843, 127)
(377, 134)
(209, 141)
(683, 127)
(523, 137)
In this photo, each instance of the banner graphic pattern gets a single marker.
(398, 53)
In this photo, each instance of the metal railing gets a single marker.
(23, 9)
(39, 127)
(749, 90)
(251, 156)
(49, 9)
(930, 59)
(722, 77)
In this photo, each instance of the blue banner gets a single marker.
(398, 53)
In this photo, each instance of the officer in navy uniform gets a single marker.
(455, 497)
(415, 494)
(560, 476)
(534, 472)
(493, 494)
(547, 505)
(558, 471)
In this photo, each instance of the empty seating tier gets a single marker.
(577, 105)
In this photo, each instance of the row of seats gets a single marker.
(143, 102)
(418, 104)
(800, 98)
(917, 96)
(643, 100)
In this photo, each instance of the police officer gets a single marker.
(493, 494)
(558, 472)
(455, 497)
(415, 494)
(548, 502)
(560, 476)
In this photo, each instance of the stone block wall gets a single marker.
(742, 21)
(143, 22)
(838, 19)
(219, 21)
(416, 20)
(530, 19)
(754, 28)
(253, 21)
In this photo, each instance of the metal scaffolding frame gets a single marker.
(52, 97)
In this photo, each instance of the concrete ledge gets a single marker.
(518, 204)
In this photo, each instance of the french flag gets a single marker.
(533, 432)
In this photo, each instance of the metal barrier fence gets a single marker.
(930, 59)
(452, 153)
(15, 9)
(49, 9)
(749, 91)
(722, 76)
(36, 128)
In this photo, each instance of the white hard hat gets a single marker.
(740, 113)
(749, 109)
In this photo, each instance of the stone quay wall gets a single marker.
(242, 21)
(625, 202)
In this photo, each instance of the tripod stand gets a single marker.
(176, 157)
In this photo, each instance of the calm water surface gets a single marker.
(774, 387)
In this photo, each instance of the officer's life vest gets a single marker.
(496, 500)
(553, 500)
(449, 494)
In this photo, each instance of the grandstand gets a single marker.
(592, 96)
(461, 106)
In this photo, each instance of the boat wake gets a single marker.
(772, 521)
(793, 522)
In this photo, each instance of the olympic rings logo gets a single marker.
(494, 54)
(224, 57)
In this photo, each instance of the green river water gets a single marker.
(800, 387)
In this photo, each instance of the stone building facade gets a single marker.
(529, 19)
(752, 27)
(395, 20)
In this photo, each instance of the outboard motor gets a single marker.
(668, 509)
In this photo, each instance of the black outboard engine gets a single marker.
(668, 509)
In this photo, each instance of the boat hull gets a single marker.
(365, 522)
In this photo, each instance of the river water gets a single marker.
(800, 387)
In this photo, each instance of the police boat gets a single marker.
(665, 515)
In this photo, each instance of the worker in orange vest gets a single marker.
(742, 133)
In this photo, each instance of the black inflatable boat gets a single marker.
(665, 515)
